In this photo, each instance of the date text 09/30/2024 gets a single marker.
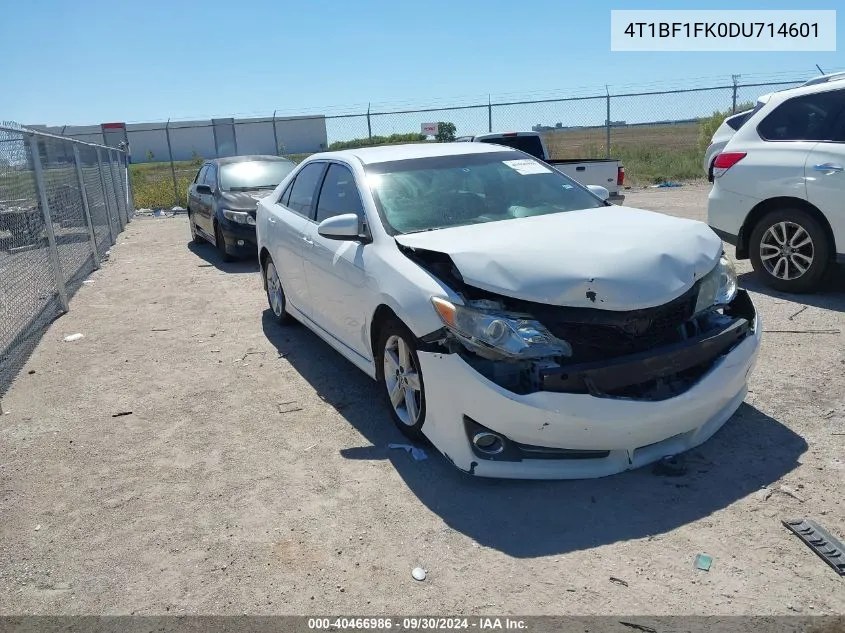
(482, 623)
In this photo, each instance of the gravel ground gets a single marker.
(253, 476)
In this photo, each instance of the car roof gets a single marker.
(387, 153)
(782, 95)
(821, 79)
(242, 159)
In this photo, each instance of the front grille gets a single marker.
(600, 334)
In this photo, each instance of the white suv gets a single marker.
(779, 187)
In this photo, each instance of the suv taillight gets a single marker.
(725, 161)
(620, 176)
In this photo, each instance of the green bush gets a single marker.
(393, 139)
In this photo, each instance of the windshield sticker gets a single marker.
(567, 186)
(526, 166)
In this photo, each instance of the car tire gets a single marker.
(220, 242)
(196, 238)
(790, 250)
(275, 293)
(400, 379)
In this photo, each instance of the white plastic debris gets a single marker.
(73, 337)
(37, 527)
(88, 281)
(418, 573)
(417, 453)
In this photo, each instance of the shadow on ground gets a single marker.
(831, 295)
(211, 257)
(539, 518)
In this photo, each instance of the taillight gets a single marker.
(725, 161)
(620, 176)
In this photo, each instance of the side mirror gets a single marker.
(341, 227)
(203, 190)
(599, 191)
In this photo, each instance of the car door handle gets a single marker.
(829, 167)
(271, 219)
(308, 240)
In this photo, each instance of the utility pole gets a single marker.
(734, 79)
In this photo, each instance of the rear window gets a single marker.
(806, 118)
(737, 122)
(528, 144)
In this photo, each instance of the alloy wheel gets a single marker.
(402, 379)
(786, 250)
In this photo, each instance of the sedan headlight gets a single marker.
(718, 287)
(241, 217)
(506, 334)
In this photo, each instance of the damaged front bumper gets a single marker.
(583, 423)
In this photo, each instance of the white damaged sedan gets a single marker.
(516, 320)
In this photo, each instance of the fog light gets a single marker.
(240, 242)
(488, 443)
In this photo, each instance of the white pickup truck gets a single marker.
(604, 172)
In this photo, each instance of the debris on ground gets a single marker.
(670, 466)
(73, 337)
(703, 562)
(665, 185)
(285, 407)
(417, 453)
(638, 627)
(799, 312)
(823, 543)
(830, 331)
(763, 494)
(88, 281)
(618, 581)
(120, 414)
(38, 527)
(790, 492)
(418, 573)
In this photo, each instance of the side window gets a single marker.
(807, 118)
(211, 176)
(305, 188)
(200, 179)
(339, 194)
(285, 199)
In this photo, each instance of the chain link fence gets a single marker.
(62, 204)
(658, 135)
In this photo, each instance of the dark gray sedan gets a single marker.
(223, 198)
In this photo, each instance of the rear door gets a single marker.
(334, 269)
(289, 230)
(825, 165)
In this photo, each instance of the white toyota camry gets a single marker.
(512, 317)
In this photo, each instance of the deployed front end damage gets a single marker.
(525, 389)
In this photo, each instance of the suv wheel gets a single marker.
(789, 250)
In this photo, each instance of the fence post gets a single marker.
(275, 136)
(84, 193)
(489, 115)
(48, 223)
(100, 168)
(734, 78)
(130, 196)
(172, 168)
(607, 125)
(369, 126)
(118, 189)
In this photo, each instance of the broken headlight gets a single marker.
(718, 287)
(485, 329)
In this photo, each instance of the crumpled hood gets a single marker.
(612, 258)
(244, 200)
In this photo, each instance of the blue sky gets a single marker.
(95, 61)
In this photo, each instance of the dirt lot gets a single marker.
(253, 473)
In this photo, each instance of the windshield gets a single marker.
(433, 193)
(254, 174)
